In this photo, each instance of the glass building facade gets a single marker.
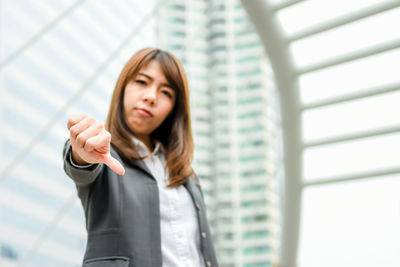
(235, 123)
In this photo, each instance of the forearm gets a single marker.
(81, 175)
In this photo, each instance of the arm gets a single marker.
(80, 175)
(87, 150)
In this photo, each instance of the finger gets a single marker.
(100, 143)
(114, 164)
(93, 130)
(74, 119)
(81, 126)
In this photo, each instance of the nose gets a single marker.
(150, 95)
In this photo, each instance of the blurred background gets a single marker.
(295, 111)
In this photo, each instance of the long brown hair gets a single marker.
(174, 133)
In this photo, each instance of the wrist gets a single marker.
(77, 159)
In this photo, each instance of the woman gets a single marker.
(143, 204)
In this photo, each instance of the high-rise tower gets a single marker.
(235, 124)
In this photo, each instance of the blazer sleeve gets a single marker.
(81, 176)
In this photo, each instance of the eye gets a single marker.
(141, 82)
(167, 93)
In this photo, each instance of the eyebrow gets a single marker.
(151, 78)
(147, 76)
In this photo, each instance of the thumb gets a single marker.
(114, 164)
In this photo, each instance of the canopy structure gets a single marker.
(301, 39)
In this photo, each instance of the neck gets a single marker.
(147, 141)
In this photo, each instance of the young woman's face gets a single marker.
(148, 99)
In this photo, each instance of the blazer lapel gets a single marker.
(142, 166)
(191, 185)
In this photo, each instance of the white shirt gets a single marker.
(180, 236)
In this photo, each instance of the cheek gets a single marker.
(167, 109)
(130, 95)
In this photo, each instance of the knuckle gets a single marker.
(70, 122)
(91, 120)
(89, 144)
(80, 139)
(76, 118)
(82, 116)
(74, 131)
(99, 126)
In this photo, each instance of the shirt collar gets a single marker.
(142, 149)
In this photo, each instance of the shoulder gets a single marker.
(195, 178)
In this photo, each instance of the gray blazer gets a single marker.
(123, 214)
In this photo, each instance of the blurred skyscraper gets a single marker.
(57, 58)
(235, 124)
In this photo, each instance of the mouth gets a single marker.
(144, 112)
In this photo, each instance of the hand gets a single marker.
(91, 143)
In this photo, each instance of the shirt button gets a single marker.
(208, 264)
(203, 235)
